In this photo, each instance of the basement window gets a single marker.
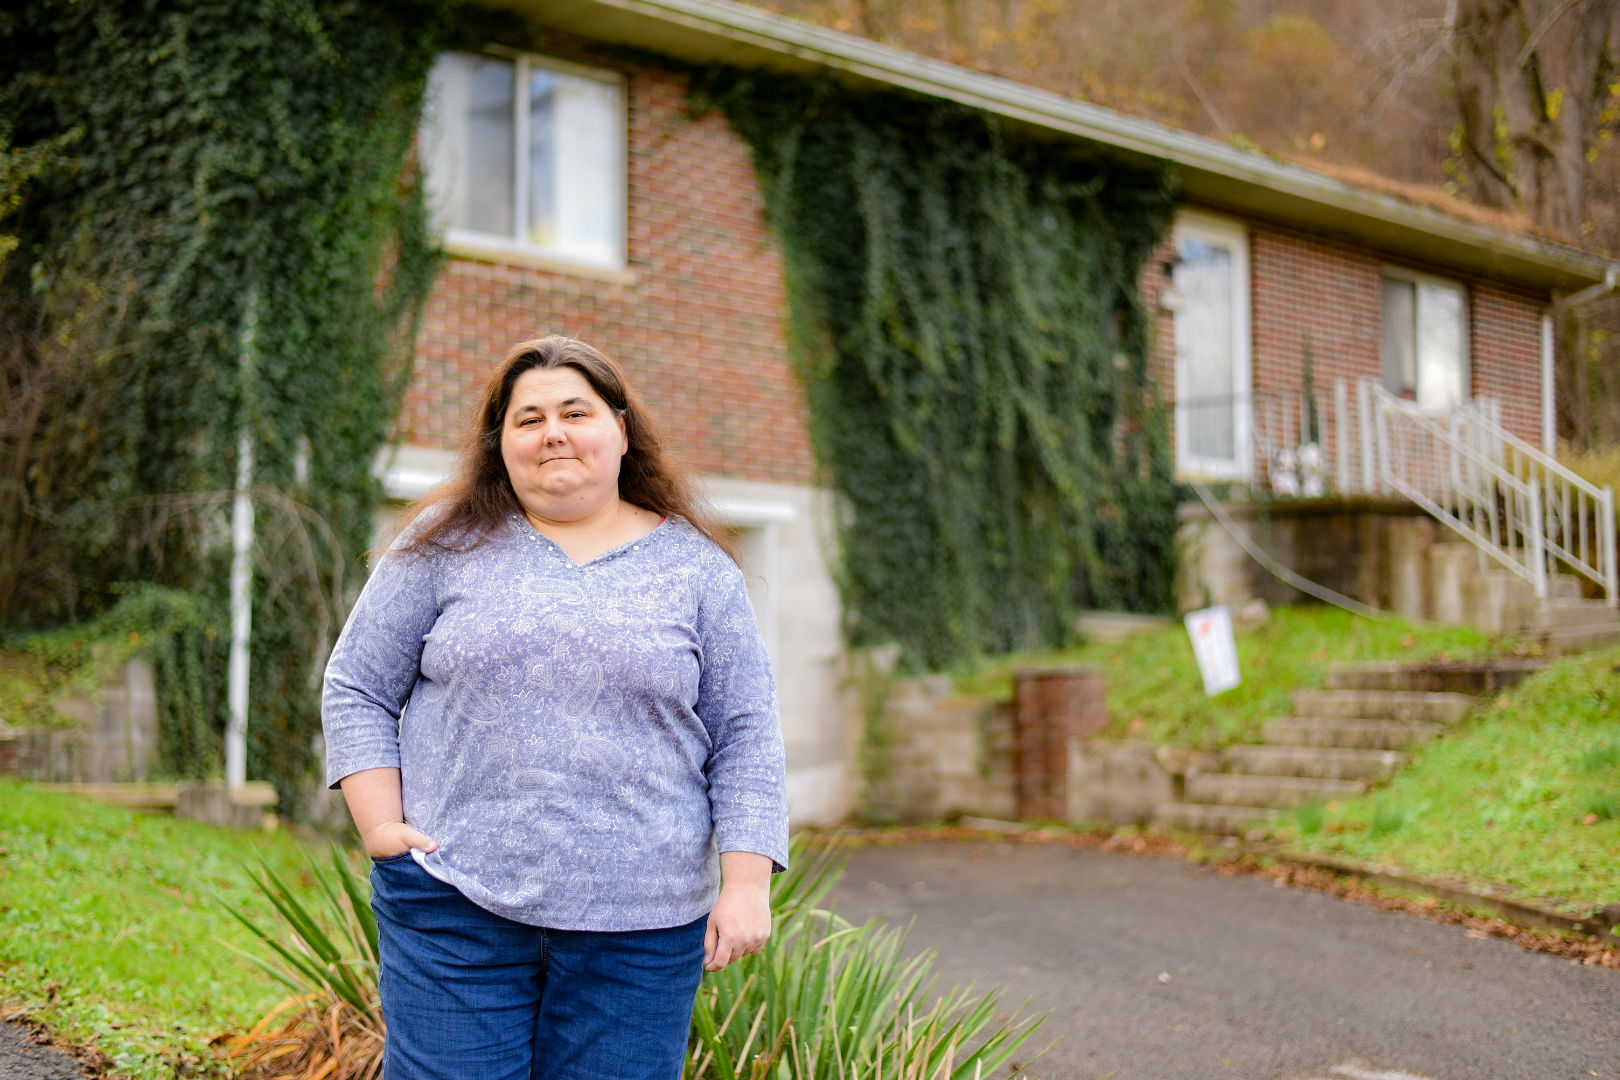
(1425, 341)
(527, 154)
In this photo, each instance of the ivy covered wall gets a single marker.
(216, 233)
(968, 326)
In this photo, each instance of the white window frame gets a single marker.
(482, 244)
(1419, 279)
(1233, 235)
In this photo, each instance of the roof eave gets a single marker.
(1214, 173)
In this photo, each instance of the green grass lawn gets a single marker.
(1155, 692)
(1525, 794)
(110, 931)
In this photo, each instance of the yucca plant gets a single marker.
(331, 1028)
(830, 1000)
(825, 1000)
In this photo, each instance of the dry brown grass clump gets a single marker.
(304, 1039)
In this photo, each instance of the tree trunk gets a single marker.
(1531, 80)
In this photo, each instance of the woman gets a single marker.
(549, 710)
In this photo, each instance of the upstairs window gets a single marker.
(1425, 346)
(528, 155)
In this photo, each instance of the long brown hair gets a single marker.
(479, 497)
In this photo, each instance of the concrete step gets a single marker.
(1207, 818)
(1239, 789)
(1363, 734)
(1319, 763)
(1440, 707)
(1565, 639)
(1559, 586)
(1439, 676)
(1559, 613)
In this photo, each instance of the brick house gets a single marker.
(651, 244)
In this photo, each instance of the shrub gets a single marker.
(829, 999)
(826, 998)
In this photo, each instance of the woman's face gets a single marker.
(562, 445)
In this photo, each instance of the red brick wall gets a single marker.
(698, 322)
(1332, 292)
(698, 318)
(1309, 294)
(1306, 289)
(1153, 281)
(1506, 349)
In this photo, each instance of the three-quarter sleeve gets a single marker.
(736, 702)
(375, 665)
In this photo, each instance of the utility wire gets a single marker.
(1277, 569)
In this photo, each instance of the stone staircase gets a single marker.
(1464, 587)
(1339, 742)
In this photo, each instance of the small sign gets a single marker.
(1215, 648)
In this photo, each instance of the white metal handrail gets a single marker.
(1458, 483)
(1514, 501)
(1578, 516)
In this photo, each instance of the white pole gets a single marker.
(241, 614)
(241, 571)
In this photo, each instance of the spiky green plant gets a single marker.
(334, 946)
(826, 999)
(831, 1000)
(326, 954)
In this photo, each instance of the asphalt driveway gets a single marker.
(1153, 969)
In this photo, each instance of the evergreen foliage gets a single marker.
(974, 348)
(218, 229)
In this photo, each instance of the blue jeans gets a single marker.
(469, 995)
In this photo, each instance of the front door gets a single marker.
(1212, 390)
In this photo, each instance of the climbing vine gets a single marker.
(974, 348)
(217, 239)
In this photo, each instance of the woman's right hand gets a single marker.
(389, 838)
(374, 803)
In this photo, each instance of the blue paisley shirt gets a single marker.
(580, 740)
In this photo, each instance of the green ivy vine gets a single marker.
(215, 227)
(974, 347)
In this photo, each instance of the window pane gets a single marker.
(1204, 340)
(467, 140)
(576, 166)
(1400, 337)
(1442, 350)
(543, 157)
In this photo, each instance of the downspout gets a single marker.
(1560, 305)
(1549, 415)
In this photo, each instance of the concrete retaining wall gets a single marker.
(937, 755)
(116, 740)
(1384, 552)
(940, 754)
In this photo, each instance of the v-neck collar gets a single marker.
(551, 547)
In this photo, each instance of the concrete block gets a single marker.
(1450, 566)
(214, 803)
(1405, 541)
(956, 753)
(1117, 782)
